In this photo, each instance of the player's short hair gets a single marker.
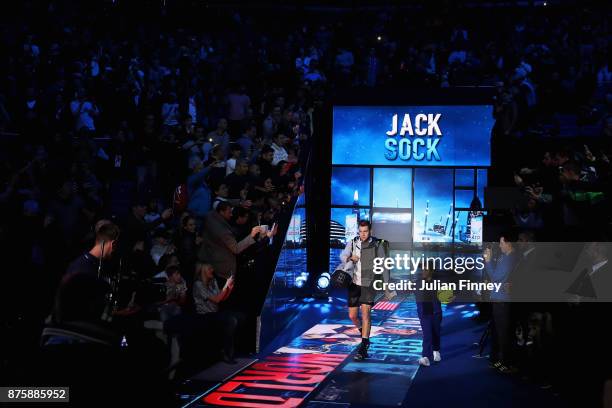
(365, 223)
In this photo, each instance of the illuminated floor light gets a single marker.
(323, 281)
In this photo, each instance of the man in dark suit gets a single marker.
(499, 271)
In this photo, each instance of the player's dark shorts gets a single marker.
(360, 295)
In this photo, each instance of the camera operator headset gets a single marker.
(113, 281)
(107, 243)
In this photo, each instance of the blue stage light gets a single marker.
(300, 281)
(323, 281)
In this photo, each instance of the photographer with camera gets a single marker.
(79, 347)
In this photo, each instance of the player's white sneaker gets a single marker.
(437, 356)
(424, 361)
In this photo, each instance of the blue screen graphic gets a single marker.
(464, 177)
(420, 135)
(433, 199)
(463, 198)
(392, 188)
(350, 185)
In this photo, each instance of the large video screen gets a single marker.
(412, 135)
(418, 173)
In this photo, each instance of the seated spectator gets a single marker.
(66, 211)
(153, 214)
(266, 168)
(176, 294)
(219, 136)
(255, 150)
(239, 105)
(195, 145)
(271, 123)
(207, 297)
(187, 244)
(254, 174)
(85, 111)
(166, 263)
(278, 145)
(344, 61)
(161, 245)
(170, 111)
(136, 228)
(245, 141)
(260, 191)
(313, 74)
(138, 262)
(239, 222)
(222, 193)
(238, 180)
(216, 162)
(235, 154)
(198, 189)
(187, 128)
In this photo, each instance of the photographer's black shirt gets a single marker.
(86, 263)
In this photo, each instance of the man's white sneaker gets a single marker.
(424, 361)
(437, 356)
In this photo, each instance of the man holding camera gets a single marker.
(358, 258)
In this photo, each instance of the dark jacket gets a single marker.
(373, 248)
(500, 271)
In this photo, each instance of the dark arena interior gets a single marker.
(323, 204)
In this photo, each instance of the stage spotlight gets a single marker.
(323, 281)
(301, 280)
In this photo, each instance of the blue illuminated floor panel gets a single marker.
(310, 364)
(385, 377)
(316, 366)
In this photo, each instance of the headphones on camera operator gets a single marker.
(108, 233)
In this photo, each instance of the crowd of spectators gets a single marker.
(149, 157)
(189, 128)
(552, 143)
